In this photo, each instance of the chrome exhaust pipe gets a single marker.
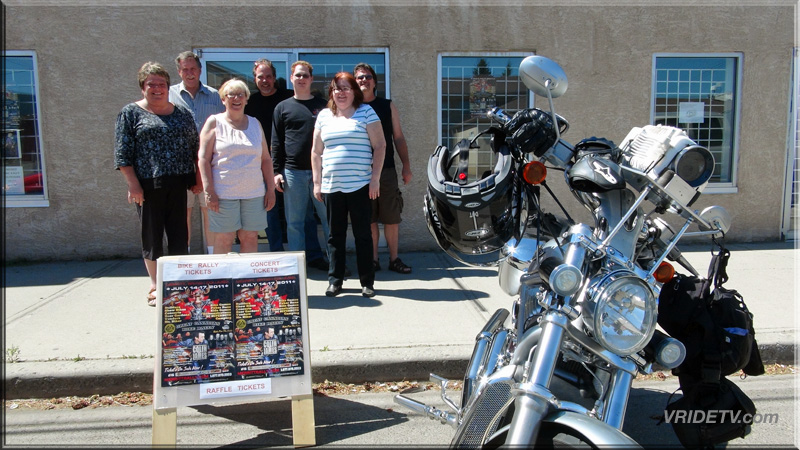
(482, 340)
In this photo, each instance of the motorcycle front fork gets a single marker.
(533, 397)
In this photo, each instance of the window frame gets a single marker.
(292, 54)
(30, 200)
(714, 187)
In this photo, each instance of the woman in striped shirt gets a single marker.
(346, 159)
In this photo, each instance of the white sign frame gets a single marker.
(231, 266)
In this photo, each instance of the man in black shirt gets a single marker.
(292, 137)
(261, 105)
(389, 204)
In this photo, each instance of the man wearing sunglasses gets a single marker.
(292, 138)
(389, 204)
(261, 105)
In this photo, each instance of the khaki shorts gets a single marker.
(191, 197)
(387, 207)
(245, 214)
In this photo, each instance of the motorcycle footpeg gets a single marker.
(429, 411)
(443, 382)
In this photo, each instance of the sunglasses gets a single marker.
(364, 77)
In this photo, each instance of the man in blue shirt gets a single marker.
(202, 101)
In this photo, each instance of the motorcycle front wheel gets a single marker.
(550, 436)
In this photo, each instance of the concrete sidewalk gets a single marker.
(81, 328)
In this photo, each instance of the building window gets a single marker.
(327, 65)
(700, 94)
(24, 181)
(470, 86)
(220, 64)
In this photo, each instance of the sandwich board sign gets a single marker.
(232, 329)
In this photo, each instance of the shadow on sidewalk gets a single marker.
(67, 272)
(336, 419)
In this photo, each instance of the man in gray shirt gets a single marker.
(202, 101)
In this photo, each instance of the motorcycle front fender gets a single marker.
(595, 431)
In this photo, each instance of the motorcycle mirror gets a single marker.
(717, 217)
(541, 74)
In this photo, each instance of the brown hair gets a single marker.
(305, 64)
(152, 68)
(268, 63)
(366, 68)
(358, 96)
(188, 55)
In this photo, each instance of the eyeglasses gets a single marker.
(302, 75)
(234, 96)
(342, 89)
(364, 77)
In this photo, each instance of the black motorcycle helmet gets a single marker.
(470, 220)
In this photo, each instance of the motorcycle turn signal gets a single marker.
(534, 172)
(664, 273)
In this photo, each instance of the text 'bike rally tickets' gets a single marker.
(220, 324)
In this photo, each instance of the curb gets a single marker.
(109, 377)
(53, 383)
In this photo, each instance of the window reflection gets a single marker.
(22, 155)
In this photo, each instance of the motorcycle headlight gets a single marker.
(622, 313)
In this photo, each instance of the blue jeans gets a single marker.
(276, 229)
(298, 199)
(274, 226)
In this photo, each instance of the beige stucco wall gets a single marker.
(88, 58)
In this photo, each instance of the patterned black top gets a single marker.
(156, 146)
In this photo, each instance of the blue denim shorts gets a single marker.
(245, 214)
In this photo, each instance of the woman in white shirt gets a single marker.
(346, 159)
(236, 169)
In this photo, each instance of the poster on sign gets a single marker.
(197, 342)
(268, 327)
(232, 328)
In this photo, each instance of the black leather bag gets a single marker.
(715, 325)
(705, 417)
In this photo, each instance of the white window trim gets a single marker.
(790, 179)
(25, 201)
(713, 187)
(469, 55)
(292, 53)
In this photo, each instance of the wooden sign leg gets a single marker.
(303, 421)
(165, 427)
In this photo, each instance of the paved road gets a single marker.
(372, 420)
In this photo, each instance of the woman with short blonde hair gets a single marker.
(236, 168)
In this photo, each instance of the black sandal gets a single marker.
(376, 266)
(398, 266)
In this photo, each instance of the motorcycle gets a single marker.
(583, 323)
